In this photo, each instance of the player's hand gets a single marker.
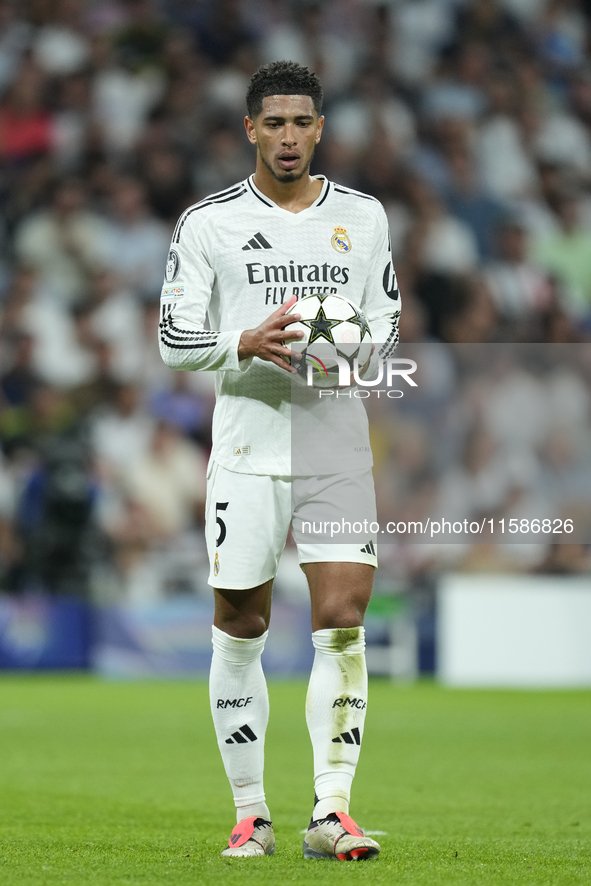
(266, 341)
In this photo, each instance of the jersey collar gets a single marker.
(320, 199)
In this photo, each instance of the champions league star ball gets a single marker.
(334, 329)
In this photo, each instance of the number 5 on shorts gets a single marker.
(220, 506)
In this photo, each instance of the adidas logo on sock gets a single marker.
(238, 737)
(369, 548)
(257, 242)
(352, 737)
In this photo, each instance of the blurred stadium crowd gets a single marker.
(469, 119)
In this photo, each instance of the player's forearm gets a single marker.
(384, 333)
(185, 348)
(248, 344)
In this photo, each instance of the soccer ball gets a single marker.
(333, 328)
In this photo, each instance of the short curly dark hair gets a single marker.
(282, 78)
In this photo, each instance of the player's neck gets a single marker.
(293, 196)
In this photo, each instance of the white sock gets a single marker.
(335, 714)
(240, 711)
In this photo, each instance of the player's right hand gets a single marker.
(267, 340)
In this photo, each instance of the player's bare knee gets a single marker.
(247, 627)
(240, 615)
(243, 614)
(332, 617)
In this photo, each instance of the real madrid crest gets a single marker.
(216, 564)
(340, 241)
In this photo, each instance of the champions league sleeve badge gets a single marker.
(173, 265)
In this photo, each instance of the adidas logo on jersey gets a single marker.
(257, 242)
(369, 548)
(352, 737)
(242, 736)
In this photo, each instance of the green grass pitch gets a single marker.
(120, 783)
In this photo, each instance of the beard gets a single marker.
(286, 177)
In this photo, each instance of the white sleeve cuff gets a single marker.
(233, 361)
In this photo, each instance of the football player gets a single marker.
(238, 260)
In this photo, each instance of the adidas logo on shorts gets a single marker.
(369, 548)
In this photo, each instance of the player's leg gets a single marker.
(337, 692)
(339, 592)
(340, 576)
(336, 705)
(240, 710)
(244, 545)
(243, 614)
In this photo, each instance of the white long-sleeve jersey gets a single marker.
(234, 258)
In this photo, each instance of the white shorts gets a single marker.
(248, 516)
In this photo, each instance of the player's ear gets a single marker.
(250, 130)
(319, 130)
